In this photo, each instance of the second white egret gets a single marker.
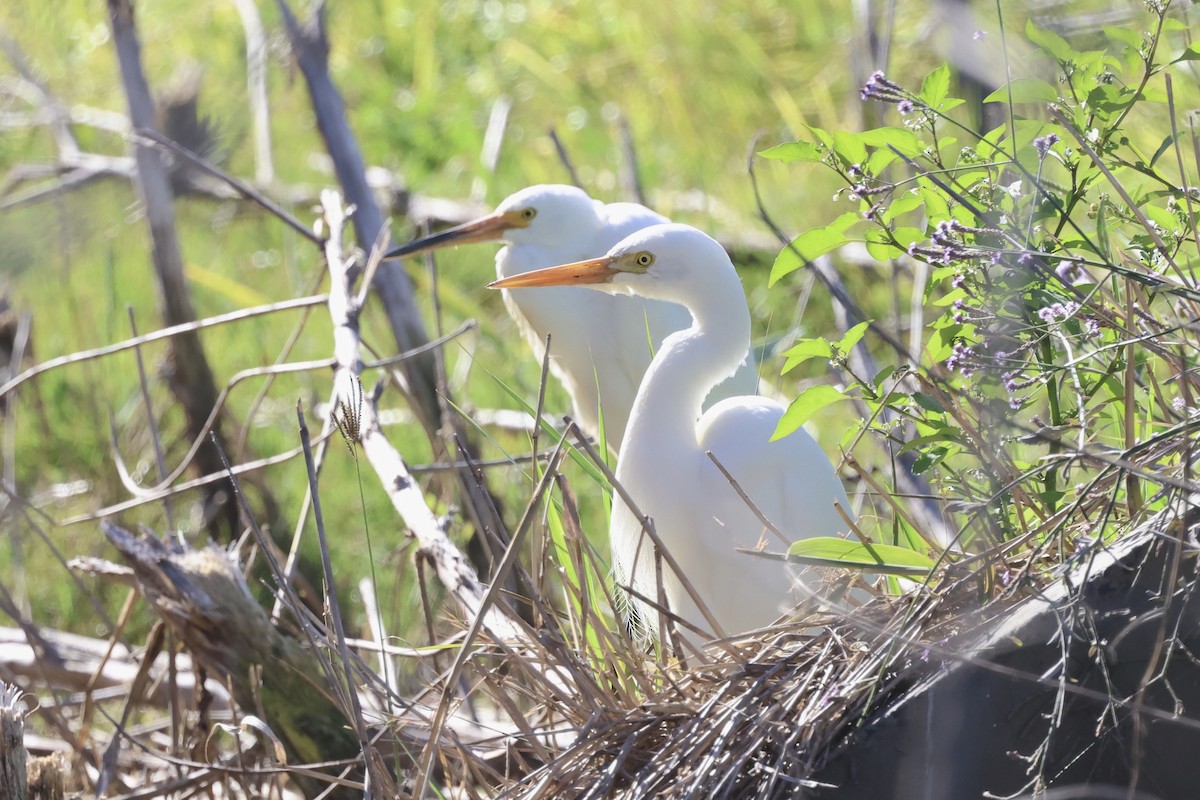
(600, 346)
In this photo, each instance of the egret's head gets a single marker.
(547, 215)
(667, 262)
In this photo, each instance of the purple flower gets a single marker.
(960, 359)
(878, 87)
(1058, 311)
(977, 35)
(905, 106)
(1091, 328)
(1178, 405)
(1043, 144)
(1067, 271)
(957, 282)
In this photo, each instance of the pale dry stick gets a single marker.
(154, 491)
(406, 496)
(204, 480)
(165, 333)
(256, 89)
(285, 353)
(152, 138)
(159, 458)
(281, 369)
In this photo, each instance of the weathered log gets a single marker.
(1092, 683)
(203, 597)
(13, 779)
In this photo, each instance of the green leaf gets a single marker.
(1110, 97)
(1051, 42)
(936, 207)
(902, 205)
(806, 350)
(1126, 36)
(880, 247)
(936, 86)
(790, 152)
(879, 160)
(1191, 54)
(849, 148)
(1161, 217)
(1024, 90)
(1162, 148)
(852, 337)
(928, 459)
(813, 243)
(845, 553)
(928, 402)
(902, 139)
(809, 402)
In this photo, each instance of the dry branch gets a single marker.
(310, 45)
(192, 380)
(76, 663)
(359, 417)
(393, 286)
(13, 779)
(204, 599)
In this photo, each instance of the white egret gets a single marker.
(600, 346)
(663, 461)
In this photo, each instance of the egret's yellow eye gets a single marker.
(644, 259)
(528, 213)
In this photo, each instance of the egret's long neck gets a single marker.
(687, 367)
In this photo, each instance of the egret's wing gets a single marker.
(791, 481)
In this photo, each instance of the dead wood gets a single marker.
(191, 378)
(77, 664)
(429, 395)
(203, 598)
(13, 778)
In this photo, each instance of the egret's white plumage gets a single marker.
(600, 345)
(663, 461)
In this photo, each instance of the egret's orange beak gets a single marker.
(485, 229)
(594, 270)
